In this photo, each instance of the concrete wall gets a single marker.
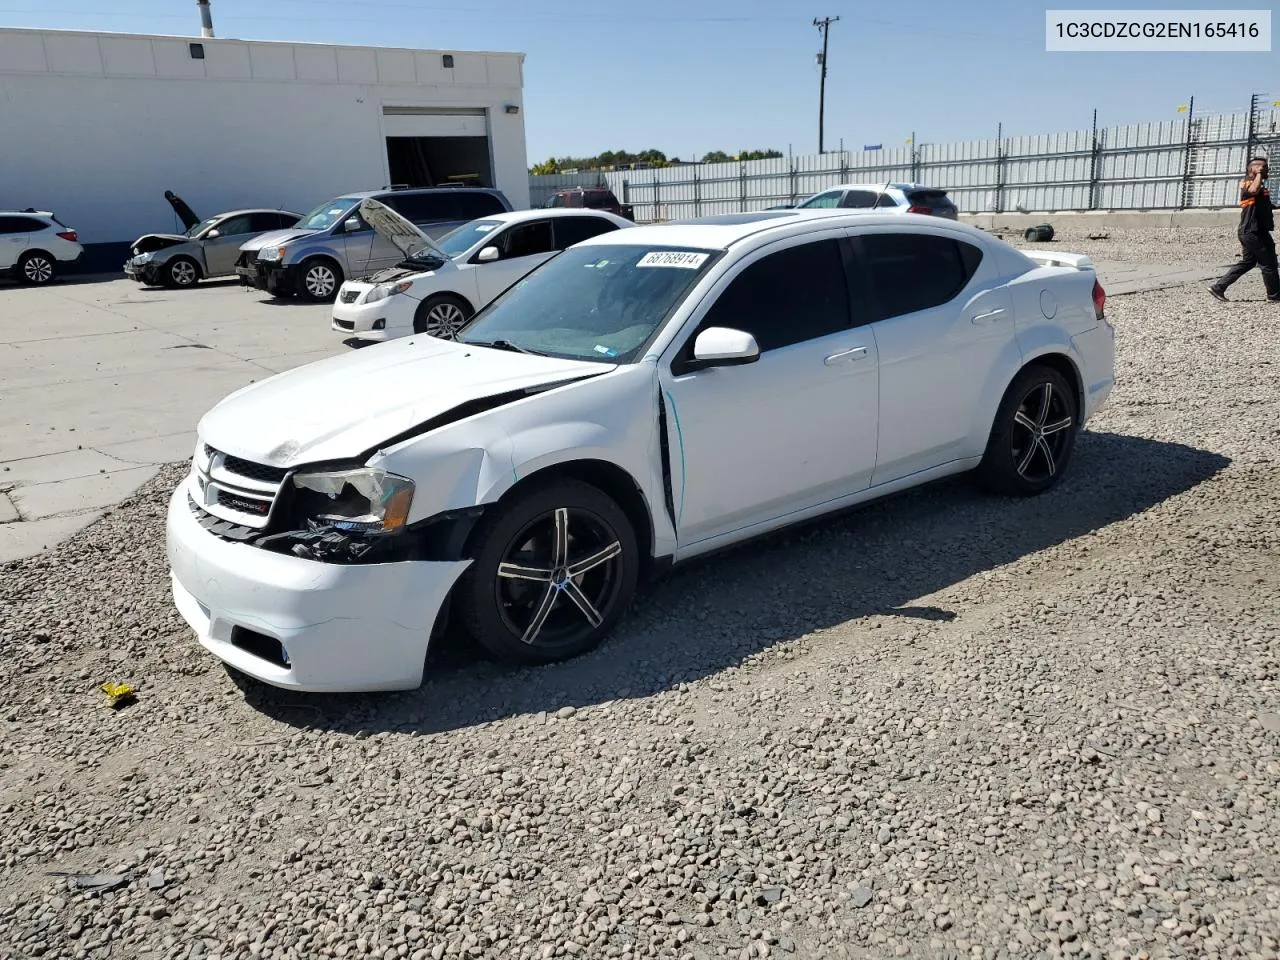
(1227, 218)
(97, 126)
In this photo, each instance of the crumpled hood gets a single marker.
(341, 407)
(149, 242)
(274, 237)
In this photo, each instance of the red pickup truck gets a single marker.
(593, 198)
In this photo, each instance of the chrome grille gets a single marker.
(349, 296)
(234, 489)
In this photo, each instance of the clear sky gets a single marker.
(688, 76)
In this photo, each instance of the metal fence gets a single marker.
(1194, 161)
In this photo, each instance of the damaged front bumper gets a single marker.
(304, 624)
(275, 278)
(141, 272)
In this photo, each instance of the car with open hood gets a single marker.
(647, 396)
(207, 249)
(334, 242)
(439, 284)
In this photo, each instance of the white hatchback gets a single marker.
(441, 283)
(33, 243)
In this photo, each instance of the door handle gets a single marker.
(854, 353)
(989, 315)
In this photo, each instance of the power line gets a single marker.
(825, 26)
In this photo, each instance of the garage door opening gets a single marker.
(430, 161)
(429, 146)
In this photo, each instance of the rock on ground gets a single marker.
(945, 725)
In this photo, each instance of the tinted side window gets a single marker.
(859, 199)
(421, 207)
(571, 230)
(528, 239)
(787, 297)
(261, 222)
(234, 226)
(557, 200)
(886, 201)
(823, 200)
(597, 199)
(916, 271)
(22, 225)
(472, 206)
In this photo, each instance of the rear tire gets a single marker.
(1034, 434)
(521, 599)
(37, 268)
(441, 316)
(181, 272)
(318, 280)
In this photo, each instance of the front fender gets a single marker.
(611, 418)
(295, 256)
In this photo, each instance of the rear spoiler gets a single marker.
(1072, 261)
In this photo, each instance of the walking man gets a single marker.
(1256, 223)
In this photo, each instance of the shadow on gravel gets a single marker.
(714, 612)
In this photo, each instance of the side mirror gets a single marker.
(213, 234)
(723, 347)
(352, 225)
(488, 255)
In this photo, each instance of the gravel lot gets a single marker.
(947, 725)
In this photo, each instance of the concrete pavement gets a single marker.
(103, 382)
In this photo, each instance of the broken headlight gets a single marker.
(367, 500)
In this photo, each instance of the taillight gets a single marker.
(1099, 300)
(69, 235)
(924, 210)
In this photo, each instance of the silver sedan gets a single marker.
(208, 248)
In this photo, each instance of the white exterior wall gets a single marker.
(96, 126)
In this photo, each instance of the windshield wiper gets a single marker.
(503, 345)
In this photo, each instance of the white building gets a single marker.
(97, 126)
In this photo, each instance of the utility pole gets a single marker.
(825, 26)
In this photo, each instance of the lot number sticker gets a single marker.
(670, 258)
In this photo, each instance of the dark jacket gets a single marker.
(1256, 216)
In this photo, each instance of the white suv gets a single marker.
(33, 243)
(885, 198)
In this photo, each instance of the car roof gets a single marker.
(466, 188)
(233, 213)
(892, 185)
(542, 213)
(724, 231)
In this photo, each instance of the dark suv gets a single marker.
(591, 198)
(333, 242)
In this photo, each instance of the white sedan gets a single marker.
(441, 283)
(645, 397)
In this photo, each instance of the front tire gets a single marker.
(1034, 434)
(441, 316)
(37, 268)
(552, 573)
(181, 272)
(318, 280)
